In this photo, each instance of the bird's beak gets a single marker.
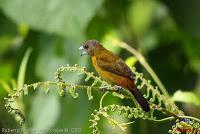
(82, 50)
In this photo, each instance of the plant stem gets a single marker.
(181, 117)
(101, 101)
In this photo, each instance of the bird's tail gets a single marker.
(140, 99)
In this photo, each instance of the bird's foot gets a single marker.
(118, 88)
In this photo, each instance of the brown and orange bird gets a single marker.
(113, 69)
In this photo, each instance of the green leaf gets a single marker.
(186, 97)
(89, 93)
(63, 17)
(5, 86)
(121, 96)
(53, 52)
(23, 29)
(73, 93)
(148, 41)
(44, 112)
(6, 71)
(22, 69)
(130, 61)
(56, 51)
(8, 34)
(110, 39)
(25, 89)
(142, 8)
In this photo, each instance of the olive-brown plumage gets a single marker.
(113, 69)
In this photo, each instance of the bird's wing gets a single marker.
(115, 66)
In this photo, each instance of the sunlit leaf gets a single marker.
(186, 97)
(141, 15)
(23, 29)
(110, 39)
(130, 61)
(22, 69)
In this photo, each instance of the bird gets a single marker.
(113, 69)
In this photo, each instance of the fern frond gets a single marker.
(158, 102)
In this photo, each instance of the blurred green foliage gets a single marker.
(165, 32)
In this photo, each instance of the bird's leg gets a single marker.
(118, 88)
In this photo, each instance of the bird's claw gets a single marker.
(103, 89)
(118, 88)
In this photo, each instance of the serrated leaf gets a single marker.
(46, 87)
(89, 93)
(25, 89)
(87, 78)
(121, 96)
(73, 93)
(35, 85)
(95, 82)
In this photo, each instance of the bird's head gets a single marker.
(89, 47)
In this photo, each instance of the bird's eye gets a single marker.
(86, 46)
